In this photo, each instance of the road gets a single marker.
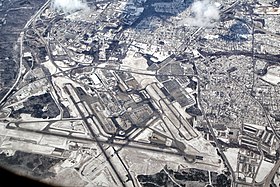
(272, 173)
(261, 106)
(162, 102)
(277, 165)
(117, 143)
(233, 177)
(21, 38)
(95, 138)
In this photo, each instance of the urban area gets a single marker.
(133, 93)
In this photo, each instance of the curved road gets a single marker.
(2, 101)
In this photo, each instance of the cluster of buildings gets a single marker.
(120, 104)
(194, 79)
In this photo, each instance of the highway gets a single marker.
(233, 177)
(170, 113)
(79, 110)
(21, 38)
(92, 133)
(95, 139)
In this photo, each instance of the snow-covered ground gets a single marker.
(264, 170)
